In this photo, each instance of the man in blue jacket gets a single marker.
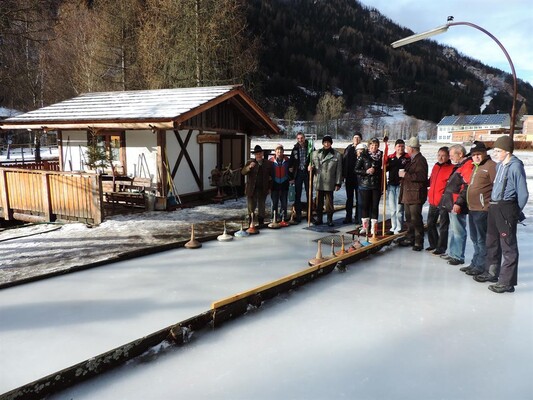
(508, 199)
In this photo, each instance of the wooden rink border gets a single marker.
(179, 334)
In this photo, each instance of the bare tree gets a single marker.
(195, 42)
(290, 116)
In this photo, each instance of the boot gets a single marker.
(373, 225)
(318, 220)
(364, 229)
(330, 219)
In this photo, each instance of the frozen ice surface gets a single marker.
(398, 325)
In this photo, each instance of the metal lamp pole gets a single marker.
(444, 28)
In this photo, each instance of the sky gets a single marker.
(509, 21)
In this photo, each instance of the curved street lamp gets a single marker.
(444, 28)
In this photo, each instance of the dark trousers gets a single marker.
(438, 225)
(324, 198)
(415, 224)
(501, 241)
(370, 199)
(277, 196)
(351, 191)
(302, 177)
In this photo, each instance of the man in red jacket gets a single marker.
(438, 238)
(455, 205)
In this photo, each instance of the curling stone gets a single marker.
(252, 230)
(274, 224)
(241, 232)
(332, 254)
(318, 258)
(292, 220)
(342, 250)
(283, 223)
(193, 243)
(224, 237)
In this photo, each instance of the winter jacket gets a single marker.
(280, 173)
(327, 167)
(512, 177)
(259, 177)
(294, 160)
(394, 165)
(363, 163)
(414, 187)
(348, 164)
(457, 182)
(477, 194)
(437, 181)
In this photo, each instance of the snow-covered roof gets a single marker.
(7, 112)
(136, 109)
(480, 119)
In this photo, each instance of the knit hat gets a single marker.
(361, 146)
(257, 149)
(279, 146)
(505, 143)
(399, 141)
(327, 138)
(478, 147)
(413, 142)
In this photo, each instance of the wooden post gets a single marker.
(47, 200)
(4, 196)
(97, 199)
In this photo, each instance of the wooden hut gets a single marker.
(173, 138)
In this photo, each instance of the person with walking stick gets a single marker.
(326, 166)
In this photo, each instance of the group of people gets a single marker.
(463, 189)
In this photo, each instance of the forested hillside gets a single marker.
(344, 47)
(289, 54)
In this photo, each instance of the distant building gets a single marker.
(527, 128)
(467, 128)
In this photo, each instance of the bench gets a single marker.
(128, 191)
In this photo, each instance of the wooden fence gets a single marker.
(46, 196)
(45, 165)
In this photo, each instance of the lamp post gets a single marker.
(444, 28)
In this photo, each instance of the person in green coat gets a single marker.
(326, 166)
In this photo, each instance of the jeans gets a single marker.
(396, 209)
(477, 225)
(457, 236)
(301, 178)
(438, 237)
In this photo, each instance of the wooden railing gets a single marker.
(45, 165)
(46, 196)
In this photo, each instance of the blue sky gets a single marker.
(511, 22)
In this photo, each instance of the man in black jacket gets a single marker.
(298, 163)
(350, 179)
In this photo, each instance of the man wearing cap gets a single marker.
(508, 199)
(280, 182)
(395, 162)
(477, 197)
(298, 163)
(413, 194)
(259, 171)
(350, 179)
(326, 164)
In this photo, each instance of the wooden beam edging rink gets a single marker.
(228, 307)
(179, 334)
(60, 380)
